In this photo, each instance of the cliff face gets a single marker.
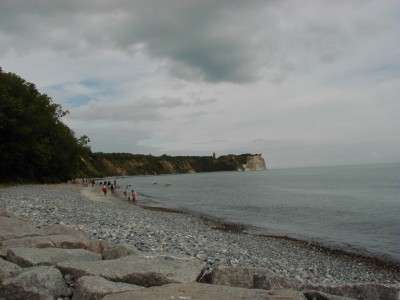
(254, 163)
(125, 164)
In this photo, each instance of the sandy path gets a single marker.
(95, 194)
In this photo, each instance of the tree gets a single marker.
(35, 145)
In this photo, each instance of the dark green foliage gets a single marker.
(35, 146)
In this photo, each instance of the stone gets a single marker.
(251, 278)
(365, 291)
(138, 270)
(119, 251)
(14, 227)
(4, 213)
(201, 291)
(96, 287)
(98, 246)
(46, 241)
(317, 295)
(41, 283)
(60, 229)
(8, 269)
(28, 257)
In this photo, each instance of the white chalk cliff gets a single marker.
(254, 163)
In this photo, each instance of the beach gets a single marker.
(169, 232)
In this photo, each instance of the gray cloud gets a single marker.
(143, 109)
(212, 41)
(310, 83)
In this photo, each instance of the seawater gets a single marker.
(354, 208)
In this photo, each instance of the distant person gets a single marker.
(112, 189)
(104, 189)
(126, 192)
(133, 195)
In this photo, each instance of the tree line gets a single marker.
(35, 145)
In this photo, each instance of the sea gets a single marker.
(351, 208)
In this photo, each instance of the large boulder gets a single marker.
(364, 291)
(12, 227)
(317, 295)
(119, 251)
(96, 287)
(200, 291)
(251, 278)
(28, 257)
(98, 246)
(46, 241)
(60, 229)
(38, 283)
(8, 270)
(138, 270)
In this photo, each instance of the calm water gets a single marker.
(355, 208)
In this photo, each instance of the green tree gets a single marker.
(35, 145)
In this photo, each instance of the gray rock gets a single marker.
(143, 271)
(8, 269)
(99, 246)
(4, 213)
(96, 287)
(60, 229)
(251, 278)
(47, 241)
(316, 295)
(120, 251)
(13, 227)
(201, 291)
(28, 257)
(41, 283)
(366, 291)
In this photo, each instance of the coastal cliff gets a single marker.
(126, 164)
(254, 163)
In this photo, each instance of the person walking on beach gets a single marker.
(104, 189)
(126, 192)
(112, 189)
(133, 195)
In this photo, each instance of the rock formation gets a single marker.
(58, 262)
(254, 163)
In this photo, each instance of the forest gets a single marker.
(35, 145)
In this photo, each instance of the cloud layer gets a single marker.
(313, 83)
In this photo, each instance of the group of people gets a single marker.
(112, 186)
(129, 195)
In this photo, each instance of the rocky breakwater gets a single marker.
(70, 242)
(59, 263)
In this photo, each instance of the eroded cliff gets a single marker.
(126, 164)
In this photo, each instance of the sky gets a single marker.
(304, 83)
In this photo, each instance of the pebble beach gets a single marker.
(166, 232)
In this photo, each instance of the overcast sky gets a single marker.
(304, 83)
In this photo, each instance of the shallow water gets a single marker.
(355, 208)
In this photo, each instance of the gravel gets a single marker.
(119, 221)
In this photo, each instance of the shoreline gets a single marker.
(237, 228)
(389, 263)
(163, 230)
